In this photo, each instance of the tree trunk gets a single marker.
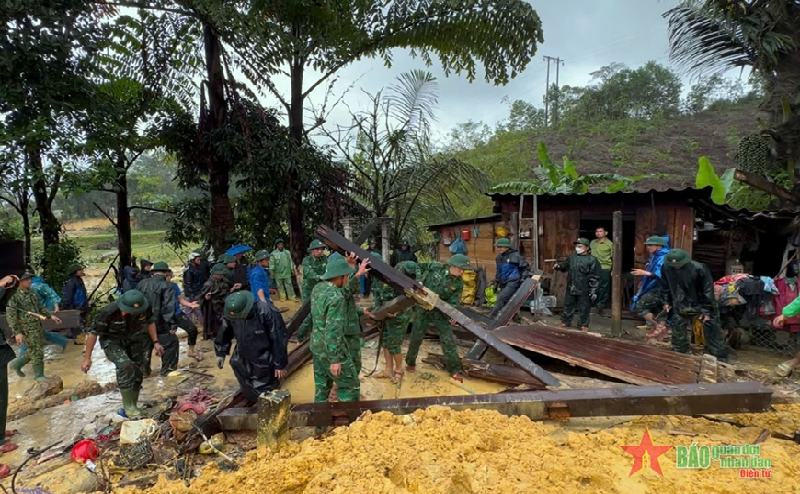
(51, 228)
(222, 218)
(296, 240)
(24, 206)
(123, 216)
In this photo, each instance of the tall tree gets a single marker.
(16, 192)
(48, 52)
(291, 37)
(709, 35)
(397, 172)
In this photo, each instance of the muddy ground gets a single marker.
(89, 402)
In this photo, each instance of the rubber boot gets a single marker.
(38, 372)
(18, 363)
(129, 403)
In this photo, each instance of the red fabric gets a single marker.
(197, 401)
(731, 278)
(786, 296)
(83, 451)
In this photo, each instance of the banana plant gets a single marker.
(707, 177)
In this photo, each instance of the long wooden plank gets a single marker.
(69, 319)
(404, 284)
(572, 353)
(305, 309)
(685, 399)
(496, 373)
(634, 354)
(630, 355)
(505, 315)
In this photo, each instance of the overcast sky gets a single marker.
(586, 34)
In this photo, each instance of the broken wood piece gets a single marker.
(239, 419)
(274, 409)
(505, 315)
(496, 373)
(762, 436)
(412, 289)
(629, 362)
(394, 306)
(685, 399)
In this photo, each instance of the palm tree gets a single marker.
(712, 35)
(554, 179)
(396, 171)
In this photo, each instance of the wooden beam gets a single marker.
(305, 309)
(496, 373)
(506, 314)
(616, 275)
(686, 399)
(765, 185)
(413, 289)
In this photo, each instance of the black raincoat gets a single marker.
(689, 289)
(261, 348)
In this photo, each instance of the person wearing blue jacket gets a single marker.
(511, 269)
(258, 276)
(648, 300)
(74, 296)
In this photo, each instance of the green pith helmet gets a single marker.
(279, 241)
(132, 302)
(408, 268)
(504, 242)
(262, 254)
(228, 259)
(73, 268)
(239, 304)
(656, 240)
(160, 266)
(405, 242)
(460, 261)
(218, 268)
(315, 244)
(582, 241)
(677, 257)
(375, 254)
(335, 256)
(26, 276)
(338, 267)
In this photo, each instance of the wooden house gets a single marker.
(544, 227)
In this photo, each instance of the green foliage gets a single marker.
(396, 171)
(56, 259)
(565, 179)
(707, 177)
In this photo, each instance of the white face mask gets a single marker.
(579, 250)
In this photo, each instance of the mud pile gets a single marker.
(439, 451)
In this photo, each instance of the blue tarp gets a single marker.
(237, 249)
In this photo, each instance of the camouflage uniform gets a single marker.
(126, 343)
(28, 326)
(313, 269)
(437, 278)
(394, 329)
(213, 309)
(335, 339)
(161, 295)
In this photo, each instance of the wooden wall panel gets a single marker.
(559, 229)
(480, 249)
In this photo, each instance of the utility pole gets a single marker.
(558, 63)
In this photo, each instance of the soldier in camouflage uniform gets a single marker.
(26, 327)
(213, 295)
(336, 334)
(396, 326)
(127, 332)
(313, 271)
(445, 281)
(583, 281)
(160, 294)
(6, 356)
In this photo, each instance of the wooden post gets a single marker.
(274, 410)
(514, 227)
(535, 233)
(616, 276)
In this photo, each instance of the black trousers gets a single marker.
(185, 323)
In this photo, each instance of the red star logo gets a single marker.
(646, 446)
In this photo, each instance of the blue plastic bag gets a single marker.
(458, 247)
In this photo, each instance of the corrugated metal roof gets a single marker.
(466, 221)
(689, 191)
